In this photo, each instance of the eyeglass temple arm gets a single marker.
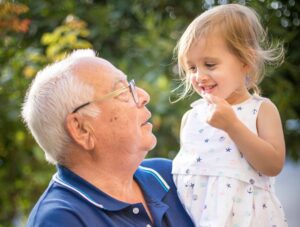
(81, 106)
(115, 93)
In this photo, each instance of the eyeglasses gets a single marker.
(131, 87)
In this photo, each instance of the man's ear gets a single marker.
(80, 131)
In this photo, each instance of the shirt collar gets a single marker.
(154, 187)
(152, 183)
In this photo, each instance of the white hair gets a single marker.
(54, 93)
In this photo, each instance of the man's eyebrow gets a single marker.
(120, 80)
(124, 78)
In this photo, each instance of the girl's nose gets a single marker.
(201, 76)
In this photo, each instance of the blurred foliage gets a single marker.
(136, 36)
(10, 20)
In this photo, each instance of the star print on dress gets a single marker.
(228, 149)
(211, 168)
(222, 138)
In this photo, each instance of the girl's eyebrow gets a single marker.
(210, 59)
(188, 63)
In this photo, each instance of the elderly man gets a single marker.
(93, 125)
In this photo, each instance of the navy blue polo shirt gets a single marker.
(69, 200)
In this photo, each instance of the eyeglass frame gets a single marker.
(132, 89)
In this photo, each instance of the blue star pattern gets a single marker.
(222, 138)
(228, 149)
(207, 166)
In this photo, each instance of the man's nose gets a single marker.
(144, 97)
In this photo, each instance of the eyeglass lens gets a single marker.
(132, 88)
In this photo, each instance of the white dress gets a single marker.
(216, 184)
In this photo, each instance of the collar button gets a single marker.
(136, 210)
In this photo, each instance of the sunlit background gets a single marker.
(138, 37)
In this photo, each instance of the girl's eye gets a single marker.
(210, 65)
(192, 69)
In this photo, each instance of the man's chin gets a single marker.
(152, 144)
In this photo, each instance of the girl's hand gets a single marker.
(265, 151)
(221, 114)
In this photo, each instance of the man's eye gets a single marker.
(125, 95)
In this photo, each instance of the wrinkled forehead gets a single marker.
(99, 73)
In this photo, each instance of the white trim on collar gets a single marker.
(157, 176)
(61, 182)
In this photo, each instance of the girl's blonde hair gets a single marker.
(246, 38)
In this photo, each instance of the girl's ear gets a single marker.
(80, 131)
(252, 57)
(247, 71)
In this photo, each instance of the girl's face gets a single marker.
(215, 70)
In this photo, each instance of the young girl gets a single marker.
(232, 141)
